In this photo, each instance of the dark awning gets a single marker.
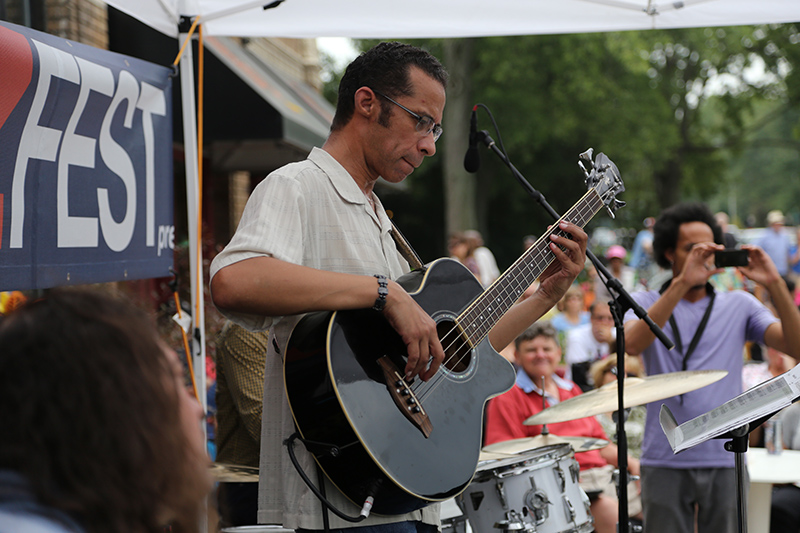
(303, 115)
(255, 118)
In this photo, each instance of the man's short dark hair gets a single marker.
(542, 328)
(383, 68)
(667, 227)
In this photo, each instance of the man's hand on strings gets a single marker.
(561, 273)
(418, 331)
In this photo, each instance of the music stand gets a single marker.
(734, 420)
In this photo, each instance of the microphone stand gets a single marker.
(619, 305)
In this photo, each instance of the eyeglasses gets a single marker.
(425, 124)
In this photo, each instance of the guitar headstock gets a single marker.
(603, 176)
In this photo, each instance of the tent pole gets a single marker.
(198, 346)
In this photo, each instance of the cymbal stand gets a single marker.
(621, 302)
(545, 431)
(621, 475)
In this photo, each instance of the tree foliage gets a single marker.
(680, 112)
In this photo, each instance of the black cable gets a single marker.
(326, 521)
(367, 506)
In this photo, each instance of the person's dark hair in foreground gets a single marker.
(97, 423)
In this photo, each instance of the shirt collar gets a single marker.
(527, 385)
(347, 187)
(342, 181)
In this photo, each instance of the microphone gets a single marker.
(472, 159)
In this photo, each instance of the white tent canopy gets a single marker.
(440, 18)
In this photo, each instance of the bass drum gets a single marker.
(534, 492)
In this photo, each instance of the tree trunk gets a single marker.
(459, 185)
(668, 183)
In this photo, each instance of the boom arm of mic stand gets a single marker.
(626, 302)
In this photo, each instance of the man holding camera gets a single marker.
(709, 331)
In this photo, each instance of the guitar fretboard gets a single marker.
(482, 314)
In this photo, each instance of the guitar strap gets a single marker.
(405, 249)
(700, 328)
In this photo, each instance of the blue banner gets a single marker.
(86, 180)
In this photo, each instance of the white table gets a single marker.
(765, 470)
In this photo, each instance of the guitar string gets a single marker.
(523, 269)
(473, 318)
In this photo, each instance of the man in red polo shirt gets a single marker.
(537, 354)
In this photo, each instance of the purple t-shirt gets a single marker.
(736, 317)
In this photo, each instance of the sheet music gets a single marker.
(761, 400)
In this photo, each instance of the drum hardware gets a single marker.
(561, 479)
(501, 494)
(575, 472)
(615, 476)
(538, 503)
(512, 522)
(569, 509)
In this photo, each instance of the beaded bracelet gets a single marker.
(383, 291)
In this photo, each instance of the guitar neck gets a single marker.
(483, 313)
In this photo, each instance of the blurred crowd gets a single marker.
(585, 330)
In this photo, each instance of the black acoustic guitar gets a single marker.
(408, 445)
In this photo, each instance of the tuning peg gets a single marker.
(587, 156)
(612, 208)
(583, 168)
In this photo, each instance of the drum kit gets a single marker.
(530, 485)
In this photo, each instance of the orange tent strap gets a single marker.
(200, 77)
(188, 38)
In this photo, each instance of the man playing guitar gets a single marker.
(315, 237)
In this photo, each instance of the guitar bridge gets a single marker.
(404, 397)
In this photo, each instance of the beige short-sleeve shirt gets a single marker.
(314, 214)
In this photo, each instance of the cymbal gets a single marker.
(228, 473)
(637, 391)
(517, 446)
(492, 456)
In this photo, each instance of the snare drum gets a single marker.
(535, 492)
